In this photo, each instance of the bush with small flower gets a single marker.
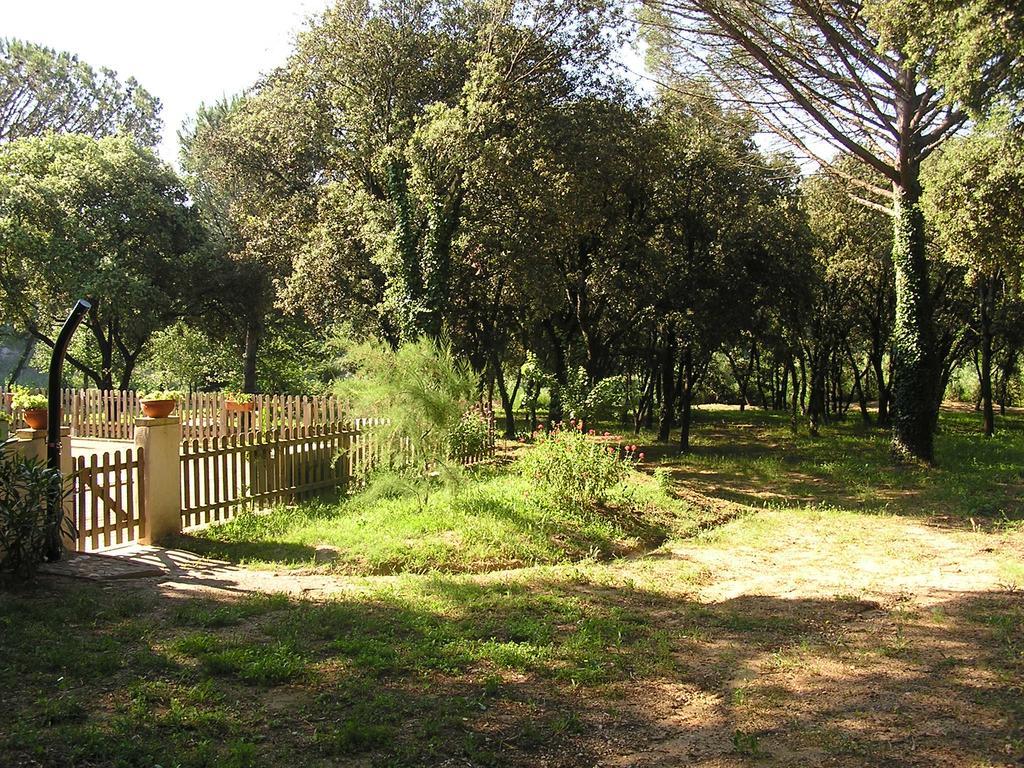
(574, 468)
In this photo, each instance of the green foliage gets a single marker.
(424, 391)
(469, 436)
(101, 218)
(28, 492)
(574, 469)
(25, 399)
(971, 48)
(43, 91)
(243, 398)
(586, 401)
(161, 394)
(183, 356)
(974, 195)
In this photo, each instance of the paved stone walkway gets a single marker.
(187, 572)
(101, 567)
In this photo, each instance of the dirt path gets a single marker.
(883, 559)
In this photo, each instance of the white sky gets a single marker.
(185, 52)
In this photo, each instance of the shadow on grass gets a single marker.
(442, 670)
(245, 551)
(751, 458)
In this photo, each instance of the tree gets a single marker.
(975, 197)
(101, 218)
(42, 90)
(820, 75)
(968, 45)
(855, 251)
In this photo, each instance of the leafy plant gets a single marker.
(575, 469)
(28, 493)
(469, 436)
(586, 401)
(27, 400)
(424, 392)
(243, 398)
(161, 394)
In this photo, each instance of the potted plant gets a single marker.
(159, 404)
(238, 402)
(33, 408)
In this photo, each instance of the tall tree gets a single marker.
(975, 197)
(42, 90)
(820, 75)
(101, 218)
(855, 250)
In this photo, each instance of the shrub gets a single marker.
(26, 400)
(575, 469)
(469, 436)
(28, 491)
(162, 394)
(423, 390)
(584, 400)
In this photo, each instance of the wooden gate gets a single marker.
(107, 499)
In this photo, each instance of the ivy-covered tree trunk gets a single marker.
(914, 372)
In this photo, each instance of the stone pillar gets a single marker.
(31, 444)
(160, 441)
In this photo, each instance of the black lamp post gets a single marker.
(60, 349)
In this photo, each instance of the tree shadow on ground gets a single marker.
(507, 672)
(245, 551)
(750, 459)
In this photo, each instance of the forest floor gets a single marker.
(828, 609)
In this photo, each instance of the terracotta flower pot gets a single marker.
(234, 407)
(35, 418)
(158, 409)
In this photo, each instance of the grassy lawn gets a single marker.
(774, 601)
(752, 458)
(491, 520)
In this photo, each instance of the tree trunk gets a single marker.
(686, 399)
(986, 295)
(862, 399)
(253, 337)
(793, 423)
(668, 393)
(816, 404)
(914, 402)
(507, 401)
(877, 361)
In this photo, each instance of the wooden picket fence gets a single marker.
(220, 475)
(283, 449)
(257, 470)
(107, 498)
(208, 414)
(110, 415)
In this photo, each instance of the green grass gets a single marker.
(422, 657)
(495, 520)
(752, 458)
(124, 682)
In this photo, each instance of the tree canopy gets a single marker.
(43, 90)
